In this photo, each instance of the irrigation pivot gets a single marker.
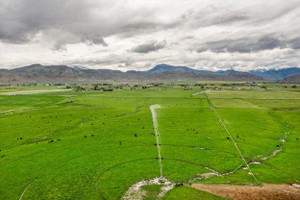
(152, 108)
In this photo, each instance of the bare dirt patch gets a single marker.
(268, 191)
(287, 109)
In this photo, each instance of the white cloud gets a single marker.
(209, 34)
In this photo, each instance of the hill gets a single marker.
(292, 79)
(162, 73)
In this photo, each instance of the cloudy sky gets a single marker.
(138, 34)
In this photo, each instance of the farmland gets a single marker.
(123, 143)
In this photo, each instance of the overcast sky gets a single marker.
(138, 34)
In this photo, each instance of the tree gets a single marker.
(96, 87)
(78, 88)
(263, 87)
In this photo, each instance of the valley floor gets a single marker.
(160, 142)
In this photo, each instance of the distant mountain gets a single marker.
(162, 73)
(62, 74)
(168, 68)
(226, 72)
(276, 74)
(79, 68)
(1, 69)
(292, 79)
(164, 67)
(229, 74)
(37, 73)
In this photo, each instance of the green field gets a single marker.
(98, 145)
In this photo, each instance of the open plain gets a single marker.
(151, 142)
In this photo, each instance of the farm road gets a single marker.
(33, 92)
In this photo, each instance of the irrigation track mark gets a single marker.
(200, 92)
(66, 161)
(274, 153)
(233, 141)
(27, 110)
(202, 165)
(143, 159)
(236, 146)
(201, 148)
(152, 108)
(27, 188)
(63, 146)
(118, 164)
(138, 109)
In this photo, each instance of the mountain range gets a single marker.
(162, 73)
(276, 74)
(268, 75)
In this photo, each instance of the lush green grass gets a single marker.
(104, 142)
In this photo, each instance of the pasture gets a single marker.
(111, 145)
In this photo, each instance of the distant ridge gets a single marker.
(276, 74)
(164, 67)
(163, 73)
(270, 75)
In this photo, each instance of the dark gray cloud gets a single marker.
(69, 22)
(148, 47)
(294, 43)
(204, 19)
(247, 45)
(231, 18)
(21, 20)
(249, 16)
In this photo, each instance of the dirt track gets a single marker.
(33, 91)
(152, 108)
(268, 191)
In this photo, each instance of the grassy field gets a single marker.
(98, 145)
